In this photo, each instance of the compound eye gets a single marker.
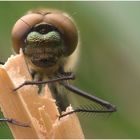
(54, 18)
(22, 27)
(66, 27)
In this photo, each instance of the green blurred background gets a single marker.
(109, 63)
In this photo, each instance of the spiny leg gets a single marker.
(67, 76)
(106, 107)
(89, 96)
(86, 110)
(4, 120)
(15, 122)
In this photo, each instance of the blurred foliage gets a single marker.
(109, 63)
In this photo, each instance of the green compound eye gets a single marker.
(52, 37)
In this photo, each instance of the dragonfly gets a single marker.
(49, 41)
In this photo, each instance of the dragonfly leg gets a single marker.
(104, 106)
(15, 122)
(88, 96)
(67, 76)
(86, 110)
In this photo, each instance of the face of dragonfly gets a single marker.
(47, 39)
(44, 47)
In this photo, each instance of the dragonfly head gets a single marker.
(46, 37)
